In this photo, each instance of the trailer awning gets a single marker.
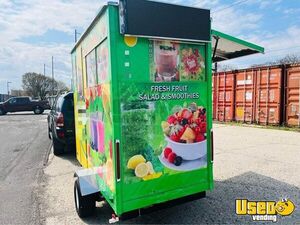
(227, 47)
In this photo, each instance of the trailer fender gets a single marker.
(87, 181)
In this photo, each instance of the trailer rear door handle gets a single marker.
(212, 145)
(118, 160)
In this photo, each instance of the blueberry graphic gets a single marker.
(178, 161)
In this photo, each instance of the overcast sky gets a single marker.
(32, 31)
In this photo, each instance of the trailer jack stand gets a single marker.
(114, 219)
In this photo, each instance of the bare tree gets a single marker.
(288, 59)
(61, 87)
(225, 67)
(39, 86)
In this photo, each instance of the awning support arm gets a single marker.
(216, 45)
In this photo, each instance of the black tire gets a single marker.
(2, 112)
(85, 205)
(58, 148)
(38, 110)
(49, 133)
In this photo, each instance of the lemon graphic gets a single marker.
(134, 161)
(130, 41)
(141, 170)
(152, 176)
(150, 168)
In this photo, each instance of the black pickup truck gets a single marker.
(20, 104)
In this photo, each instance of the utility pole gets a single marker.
(52, 66)
(8, 82)
(76, 33)
(44, 69)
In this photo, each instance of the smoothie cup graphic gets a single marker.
(166, 61)
(94, 134)
(100, 133)
(97, 131)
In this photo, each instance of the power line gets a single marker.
(230, 6)
(282, 49)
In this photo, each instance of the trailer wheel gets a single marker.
(85, 205)
(49, 133)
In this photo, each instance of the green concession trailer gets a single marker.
(143, 105)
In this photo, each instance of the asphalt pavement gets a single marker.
(250, 163)
(24, 147)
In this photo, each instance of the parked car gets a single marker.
(21, 104)
(61, 128)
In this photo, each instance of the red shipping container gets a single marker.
(245, 96)
(293, 95)
(268, 95)
(262, 95)
(224, 96)
(214, 95)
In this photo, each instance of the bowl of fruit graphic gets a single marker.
(188, 151)
(185, 132)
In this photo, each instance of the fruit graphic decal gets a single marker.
(141, 168)
(192, 64)
(172, 61)
(134, 161)
(186, 125)
(105, 88)
(172, 157)
(165, 61)
(185, 133)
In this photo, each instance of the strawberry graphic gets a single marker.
(187, 125)
(187, 114)
(171, 157)
(198, 130)
(199, 138)
(202, 118)
(198, 121)
(172, 119)
(176, 132)
(167, 152)
(175, 137)
(180, 133)
(203, 127)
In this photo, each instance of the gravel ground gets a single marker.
(251, 163)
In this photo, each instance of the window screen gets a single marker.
(102, 62)
(91, 68)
